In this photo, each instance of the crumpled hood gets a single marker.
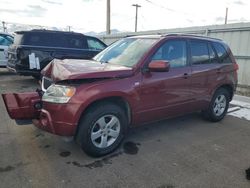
(71, 69)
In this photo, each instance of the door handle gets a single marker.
(185, 75)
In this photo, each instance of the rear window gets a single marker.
(222, 53)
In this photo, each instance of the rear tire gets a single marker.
(102, 129)
(218, 106)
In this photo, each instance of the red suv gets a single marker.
(134, 81)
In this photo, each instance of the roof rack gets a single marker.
(47, 30)
(189, 35)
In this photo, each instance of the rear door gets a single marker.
(225, 69)
(205, 70)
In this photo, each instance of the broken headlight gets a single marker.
(58, 94)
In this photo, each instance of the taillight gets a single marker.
(236, 66)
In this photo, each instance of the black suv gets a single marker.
(33, 50)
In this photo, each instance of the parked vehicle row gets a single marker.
(33, 50)
(135, 80)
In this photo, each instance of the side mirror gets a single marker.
(159, 66)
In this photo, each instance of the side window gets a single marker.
(174, 51)
(58, 40)
(222, 53)
(94, 44)
(76, 42)
(37, 39)
(34, 40)
(199, 52)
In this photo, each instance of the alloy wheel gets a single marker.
(105, 131)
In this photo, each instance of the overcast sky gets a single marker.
(90, 15)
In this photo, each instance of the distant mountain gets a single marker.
(92, 33)
(12, 27)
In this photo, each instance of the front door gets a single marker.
(166, 94)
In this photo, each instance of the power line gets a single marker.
(169, 9)
(145, 20)
(123, 21)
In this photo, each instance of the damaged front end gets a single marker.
(36, 108)
(23, 107)
(57, 108)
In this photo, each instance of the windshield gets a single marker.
(126, 52)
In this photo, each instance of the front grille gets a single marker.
(46, 82)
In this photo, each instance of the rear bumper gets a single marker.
(21, 69)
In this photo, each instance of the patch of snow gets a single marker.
(233, 109)
(243, 113)
(240, 103)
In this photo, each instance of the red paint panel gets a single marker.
(21, 105)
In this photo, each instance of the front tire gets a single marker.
(102, 129)
(218, 106)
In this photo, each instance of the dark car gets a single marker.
(134, 81)
(33, 50)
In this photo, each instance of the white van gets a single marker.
(5, 41)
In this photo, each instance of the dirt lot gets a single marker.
(181, 152)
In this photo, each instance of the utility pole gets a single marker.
(136, 13)
(108, 18)
(69, 27)
(226, 15)
(4, 28)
